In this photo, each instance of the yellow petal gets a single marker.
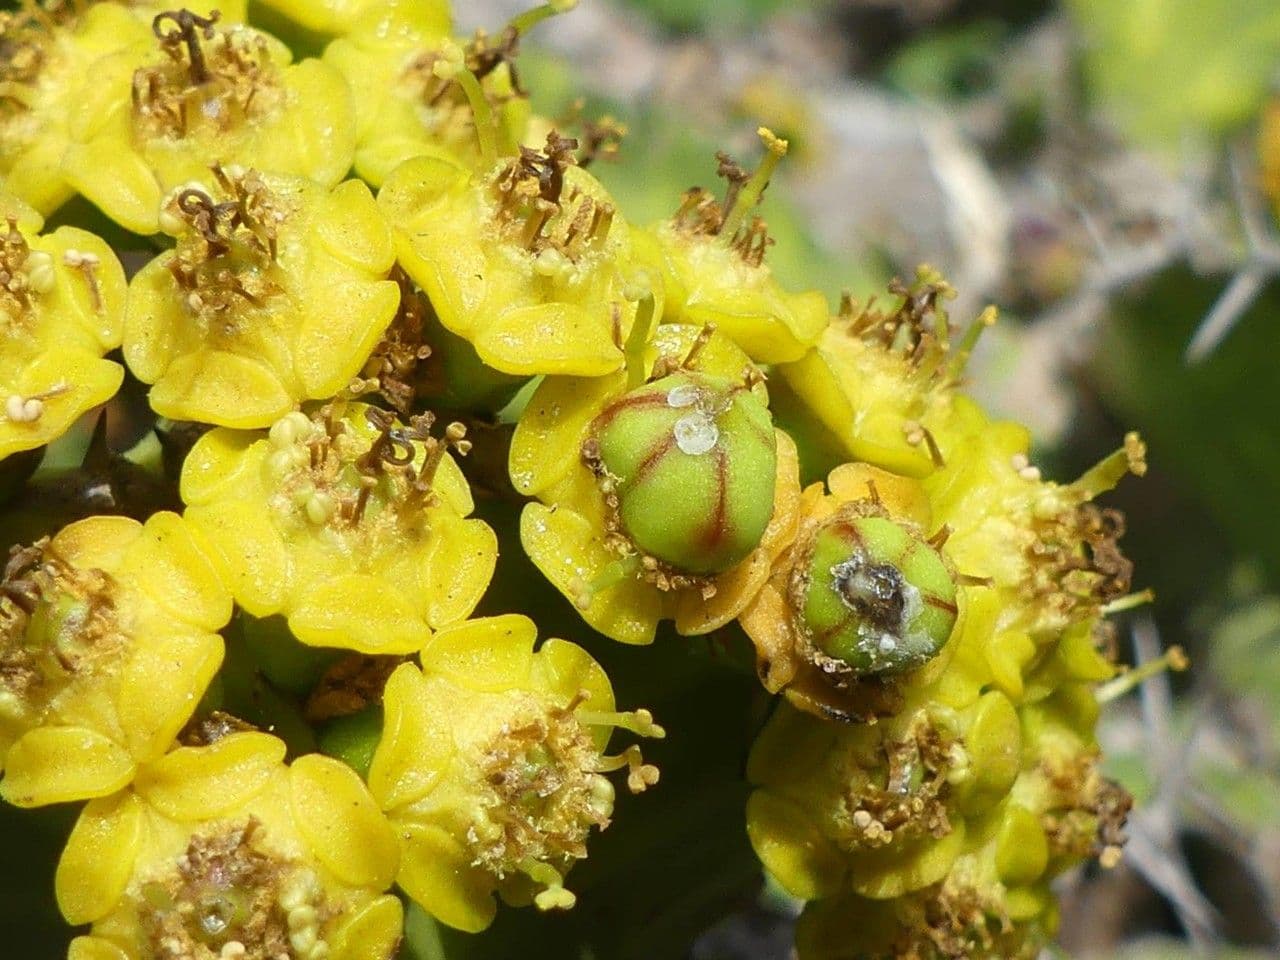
(415, 745)
(354, 231)
(78, 380)
(202, 783)
(98, 309)
(218, 466)
(252, 558)
(215, 386)
(547, 442)
(175, 573)
(99, 857)
(95, 948)
(342, 324)
(358, 612)
(340, 820)
(891, 872)
(569, 552)
(566, 670)
(463, 554)
(369, 933)
(57, 764)
(115, 179)
(792, 848)
(436, 871)
(100, 542)
(551, 338)
(490, 654)
(161, 686)
(415, 186)
(792, 745)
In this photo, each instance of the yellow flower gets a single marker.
(491, 767)
(275, 293)
(107, 642)
(1050, 554)
(223, 852)
(156, 115)
(572, 534)
(528, 261)
(61, 309)
(406, 108)
(883, 382)
(50, 48)
(346, 522)
(341, 17)
(711, 258)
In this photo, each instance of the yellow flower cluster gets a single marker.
(930, 614)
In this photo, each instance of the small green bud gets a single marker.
(875, 596)
(691, 460)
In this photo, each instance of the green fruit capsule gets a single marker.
(691, 459)
(875, 596)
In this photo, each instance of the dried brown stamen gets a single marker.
(185, 34)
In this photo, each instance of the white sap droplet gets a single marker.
(685, 395)
(888, 644)
(695, 434)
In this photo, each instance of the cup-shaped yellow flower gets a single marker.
(61, 309)
(347, 522)
(711, 258)
(527, 260)
(50, 48)
(882, 809)
(276, 292)
(200, 91)
(964, 916)
(883, 381)
(223, 852)
(405, 108)
(862, 600)
(338, 18)
(665, 496)
(492, 767)
(107, 642)
(1048, 551)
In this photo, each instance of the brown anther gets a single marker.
(699, 343)
(939, 539)
(188, 29)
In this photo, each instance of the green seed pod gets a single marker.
(873, 595)
(688, 464)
